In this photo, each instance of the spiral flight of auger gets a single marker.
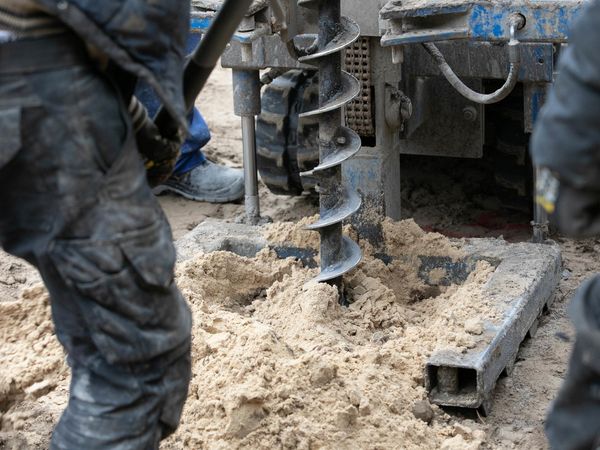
(337, 143)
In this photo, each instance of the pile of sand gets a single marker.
(278, 363)
(33, 373)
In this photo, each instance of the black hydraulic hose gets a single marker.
(514, 58)
(205, 58)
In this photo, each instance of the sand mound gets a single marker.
(288, 367)
(278, 363)
(33, 372)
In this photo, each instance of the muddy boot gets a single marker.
(209, 182)
(574, 420)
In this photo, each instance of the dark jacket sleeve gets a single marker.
(145, 38)
(567, 136)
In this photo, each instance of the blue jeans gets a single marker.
(191, 150)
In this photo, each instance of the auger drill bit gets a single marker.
(339, 254)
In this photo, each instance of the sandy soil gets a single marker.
(520, 402)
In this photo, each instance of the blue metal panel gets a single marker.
(534, 98)
(537, 100)
(546, 21)
(201, 25)
(537, 59)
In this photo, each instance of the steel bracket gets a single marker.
(468, 379)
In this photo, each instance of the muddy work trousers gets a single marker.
(74, 202)
(574, 420)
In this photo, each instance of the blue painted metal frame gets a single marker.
(546, 21)
(201, 25)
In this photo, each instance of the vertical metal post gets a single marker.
(540, 216)
(246, 104)
(252, 203)
(375, 171)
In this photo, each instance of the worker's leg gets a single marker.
(191, 150)
(574, 421)
(75, 203)
(196, 178)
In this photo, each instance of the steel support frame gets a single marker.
(375, 171)
(411, 23)
(247, 105)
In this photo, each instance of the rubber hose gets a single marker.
(467, 92)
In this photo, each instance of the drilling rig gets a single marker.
(409, 59)
(349, 86)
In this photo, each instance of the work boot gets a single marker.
(209, 182)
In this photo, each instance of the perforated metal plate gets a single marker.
(359, 112)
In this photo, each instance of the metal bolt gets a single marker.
(470, 113)
(62, 5)
(341, 140)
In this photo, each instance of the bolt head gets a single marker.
(470, 113)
